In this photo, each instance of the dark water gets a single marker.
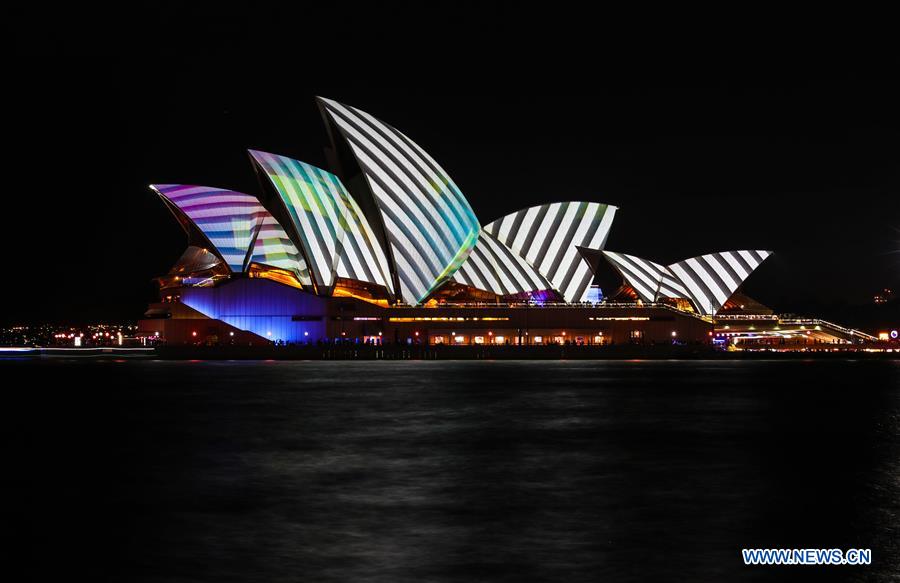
(448, 471)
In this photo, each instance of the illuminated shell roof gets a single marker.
(429, 223)
(711, 279)
(334, 233)
(492, 266)
(236, 226)
(707, 281)
(547, 237)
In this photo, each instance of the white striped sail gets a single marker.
(430, 225)
(711, 279)
(707, 281)
(547, 237)
(644, 276)
(492, 266)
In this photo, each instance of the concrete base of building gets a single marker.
(248, 312)
(254, 311)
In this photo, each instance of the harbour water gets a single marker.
(448, 471)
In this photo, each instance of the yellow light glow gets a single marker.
(278, 275)
(438, 319)
(342, 292)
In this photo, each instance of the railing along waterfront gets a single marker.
(747, 317)
(820, 322)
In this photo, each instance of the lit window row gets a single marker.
(447, 319)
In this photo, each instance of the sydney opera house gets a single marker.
(383, 247)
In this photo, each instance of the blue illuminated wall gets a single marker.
(263, 307)
(594, 295)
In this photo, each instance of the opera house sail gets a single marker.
(707, 281)
(334, 234)
(235, 226)
(548, 237)
(431, 227)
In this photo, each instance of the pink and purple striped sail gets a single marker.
(232, 222)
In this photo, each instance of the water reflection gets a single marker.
(439, 471)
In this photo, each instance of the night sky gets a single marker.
(704, 146)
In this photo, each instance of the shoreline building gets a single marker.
(384, 247)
